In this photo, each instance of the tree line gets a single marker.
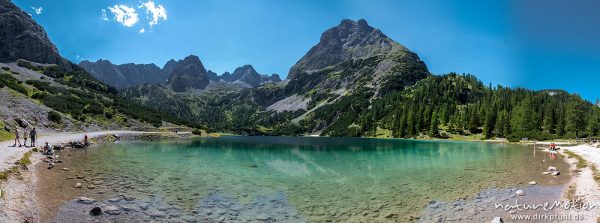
(461, 104)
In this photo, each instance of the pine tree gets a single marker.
(410, 122)
(434, 127)
(593, 128)
(502, 124)
(575, 117)
(560, 126)
(549, 120)
(490, 121)
(523, 119)
(472, 125)
(402, 127)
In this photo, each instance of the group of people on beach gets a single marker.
(31, 134)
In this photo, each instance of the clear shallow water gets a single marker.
(340, 179)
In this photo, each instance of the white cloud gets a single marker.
(104, 17)
(154, 13)
(142, 30)
(124, 15)
(37, 10)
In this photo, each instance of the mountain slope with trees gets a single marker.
(358, 82)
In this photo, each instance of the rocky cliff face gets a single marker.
(212, 76)
(188, 73)
(354, 56)
(248, 75)
(124, 75)
(169, 67)
(348, 40)
(22, 38)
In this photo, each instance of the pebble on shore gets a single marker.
(520, 193)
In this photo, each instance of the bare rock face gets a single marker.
(354, 55)
(22, 38)
(348, 40)
(124, 75)
(189, 73)
(169, 66)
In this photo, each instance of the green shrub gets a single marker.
(6, 68)
(26, 159)
(54, 117)
(514, 139)
(39, 95)
(197, 132)
(581, 163)
(13, 83)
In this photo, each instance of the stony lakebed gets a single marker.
(284, 179)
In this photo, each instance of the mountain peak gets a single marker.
(192, 58)
(349, 39)
(188, 73)
(246, 69)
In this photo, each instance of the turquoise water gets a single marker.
(338, 179)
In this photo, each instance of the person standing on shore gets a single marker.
(25, 133)
(17, 137)
(32, 135)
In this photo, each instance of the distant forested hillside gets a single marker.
(437, 106)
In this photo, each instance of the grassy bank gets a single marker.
(581, 163)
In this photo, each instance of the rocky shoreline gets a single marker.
(18, 191)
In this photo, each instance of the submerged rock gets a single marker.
(112, 210)
(520, 193)
(157, 214)
(555, 173)
(551, 168)
(128, 198)
(85, 200)
(96, 211)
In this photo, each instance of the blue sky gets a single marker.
(538, 44)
